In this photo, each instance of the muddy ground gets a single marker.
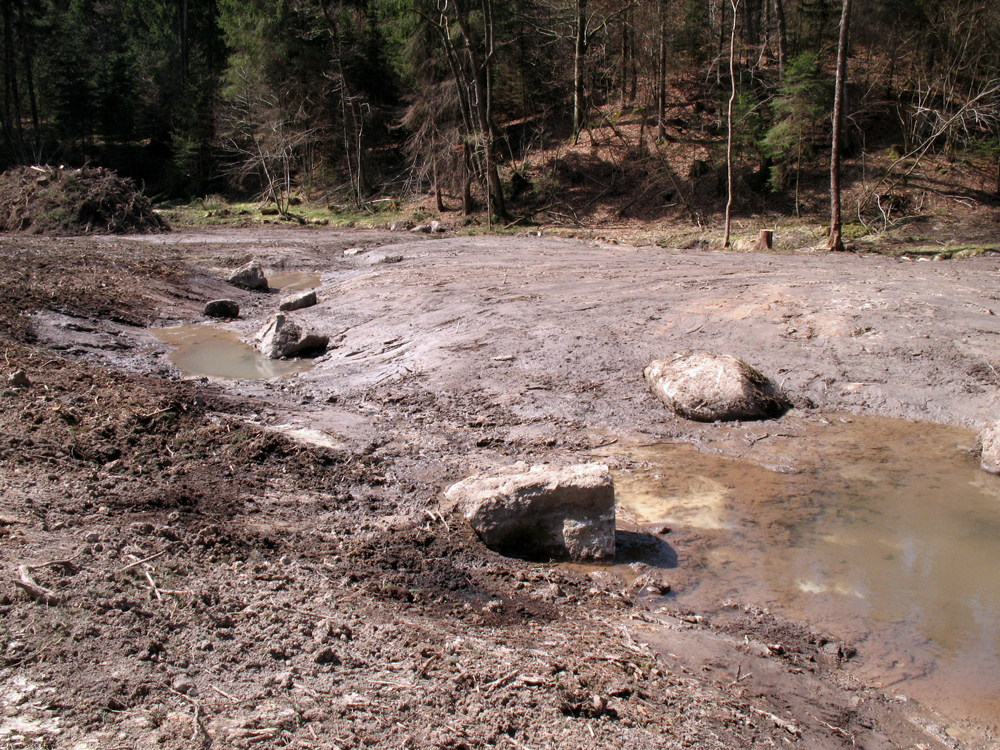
(195, 563)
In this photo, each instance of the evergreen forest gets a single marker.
(362, 101)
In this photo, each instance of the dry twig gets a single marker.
(33, 589)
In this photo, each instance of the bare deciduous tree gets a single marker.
(836, 242)
(729, 122)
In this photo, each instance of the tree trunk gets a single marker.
(729, 124)
(661, 87)
(579, 50)
(779, 16)
(184, 41)
(836, 242)
(12, 96)
(27, 43)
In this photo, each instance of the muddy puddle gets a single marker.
(216, 353)
(293, 281)
(881, 532)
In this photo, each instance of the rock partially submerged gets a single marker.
(298, 301)
(990, 438)
(710, 387)
(542, 512)
(286, 336)
(222, 308)
(250, 276)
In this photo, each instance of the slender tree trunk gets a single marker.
(729, 122)
(631, 69)
(579, 50)
(184, 41)
(661, 87)
(467, 204)
(12, 94)
(779, 16)
(836, 242)
(27, 42)
(497, 202)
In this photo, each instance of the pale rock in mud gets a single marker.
(542, 512)
(250, 276)
(298, 301)
(990, 438)
(222, 308)
(286, 336)
(708, 387)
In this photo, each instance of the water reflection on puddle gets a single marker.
(217, 353)
(888, 535)
(293, 281)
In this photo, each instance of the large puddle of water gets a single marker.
(216, 353)
(293, 281)
(886, 534)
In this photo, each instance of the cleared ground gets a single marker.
(219, 583)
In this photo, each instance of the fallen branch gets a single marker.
(152, 584)
(788, 726)
(196, 719)
(137, 563)
(34, 590)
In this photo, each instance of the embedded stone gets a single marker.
(222, 308)
(990, 438)
(708, 387)
(542, 512)
(298, 301)
(286, 336)
(250, 276)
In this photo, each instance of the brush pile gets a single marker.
(91, 200)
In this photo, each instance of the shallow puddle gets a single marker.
(216, 353)
(293, 281)
(886, 534)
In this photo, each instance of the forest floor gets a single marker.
(192, 562)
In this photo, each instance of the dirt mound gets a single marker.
(92, 200)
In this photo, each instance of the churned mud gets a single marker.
(192, 560)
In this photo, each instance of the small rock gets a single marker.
(326, 656)
(422, 228)
(141, 528)
(18, 379)
(990, 438)
(91, 537)
(223, 308)
(550, 593)
(298, 301)
(285, 679)
(655, 588)
(437, 227)
(184, 685)
(358, 250)
(250, 276)
(285, 336)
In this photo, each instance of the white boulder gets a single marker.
(709, 387)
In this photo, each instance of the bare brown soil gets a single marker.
(195, 577)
